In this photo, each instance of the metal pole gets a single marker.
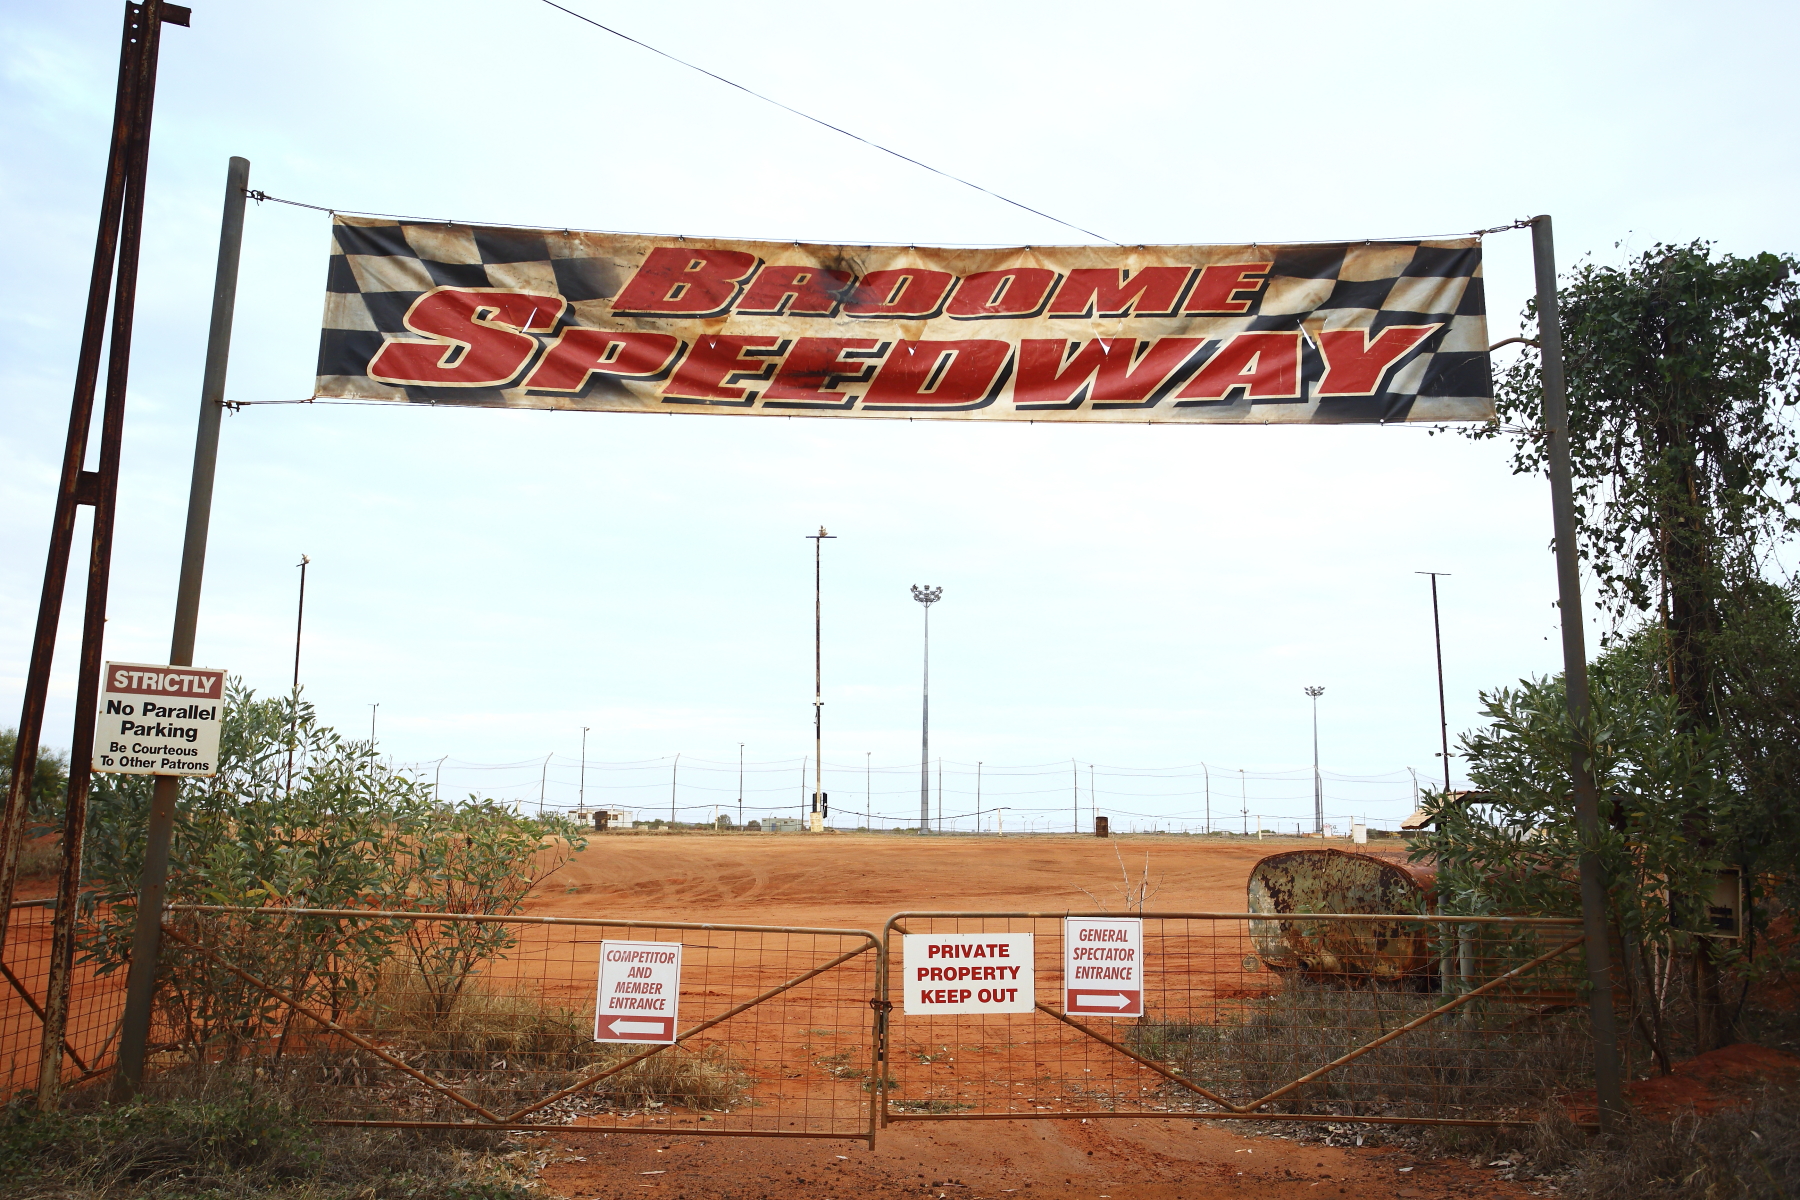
(543, 780)
(1318, 783)
(294, 716)
(1208, 774)
(75, 486)
(1607, 1080)
(146, 941)
(818, 798)
(926, 596)
(674, 770)
(940, 823)
(1075, 792)
(1244, 801)
(1437, 636)
(581, 790)
(740, 785)
(93, 633)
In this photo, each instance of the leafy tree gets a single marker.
(49, 783)
(1682, 368)
(345, 832)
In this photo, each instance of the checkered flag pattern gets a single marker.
(1358, 332)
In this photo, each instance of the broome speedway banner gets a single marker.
(435, 313)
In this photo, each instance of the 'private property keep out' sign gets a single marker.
(159, 720)
(952, 973)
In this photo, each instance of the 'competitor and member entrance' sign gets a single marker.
(1103, 966)
(159, 720)
(640, 992)
(437, 313)
(953, 973)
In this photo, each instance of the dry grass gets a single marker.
(509, 1045)
(1483, 1061)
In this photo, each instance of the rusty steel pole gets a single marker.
(146, 942)
(1608, 1082)
(142, 38)
(75, 486)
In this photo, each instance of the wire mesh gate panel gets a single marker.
(1386, 1018)
(96, 1002)
(395, 1018)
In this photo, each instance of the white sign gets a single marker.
(1103, 966)
(640, 992)
(159, 720)
(950, 973)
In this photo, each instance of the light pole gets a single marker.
(926, 596)
(294, 718)
(740, 785)
(1437, 636)
(1318, 783)
(818, 797)
(581, 795)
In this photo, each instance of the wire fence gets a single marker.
(428, 1019)
(96, 1004)
(447, 1020)
(1389, 1019)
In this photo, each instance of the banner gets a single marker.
(434, 313)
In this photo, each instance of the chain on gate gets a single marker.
(1386, 1018)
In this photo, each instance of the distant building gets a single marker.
(783, 825)
(606, 818)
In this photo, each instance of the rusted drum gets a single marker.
(1334, 881)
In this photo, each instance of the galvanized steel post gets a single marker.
(146, 942)
(1607, 1079)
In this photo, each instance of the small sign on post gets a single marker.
(1103, 966)
(954, 973)
(159, 720)
(640, 992)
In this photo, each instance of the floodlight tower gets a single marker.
(926, 596)
(1318, 783)
(818, 797)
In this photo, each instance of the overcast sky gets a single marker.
(1145, 599)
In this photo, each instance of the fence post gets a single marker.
(146, 941)
(1608, 1086)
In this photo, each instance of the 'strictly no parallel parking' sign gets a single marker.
(1103, 966)
(640, 992)
(159, 720)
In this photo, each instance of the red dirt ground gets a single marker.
(858, 881)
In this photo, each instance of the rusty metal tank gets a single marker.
(1337, 881)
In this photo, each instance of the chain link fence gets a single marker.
(96, 1003)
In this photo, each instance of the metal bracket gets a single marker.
(87, 488)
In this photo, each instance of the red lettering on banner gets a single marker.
(939, 374)
(1216, 291)
(1018, 292)
(1355, 363)
(716, 362)
(802, 291)
(479, 338)
(907, 293)
(1265, 363)
(580, 353)
(1105, 371)
(679, 281)
(816, 365)
(1117, 292)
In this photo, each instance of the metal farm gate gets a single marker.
(1387, 1019)
(447, 1020)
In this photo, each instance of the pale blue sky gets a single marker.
(1140, 597)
